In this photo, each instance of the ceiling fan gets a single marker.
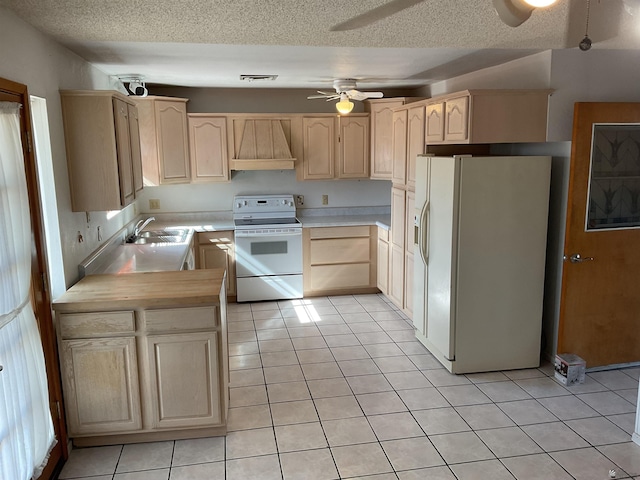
(345, 92)
(511, 12)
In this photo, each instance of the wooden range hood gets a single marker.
(262, 143)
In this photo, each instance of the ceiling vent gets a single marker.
(256, 78)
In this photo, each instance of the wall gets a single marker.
(46, 67)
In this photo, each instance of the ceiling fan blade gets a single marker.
(358, 95)
(312, 97)
(374, 15)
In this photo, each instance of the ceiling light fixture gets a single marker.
(344, 106)
(516, 12)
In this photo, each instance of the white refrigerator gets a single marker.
(480, 246)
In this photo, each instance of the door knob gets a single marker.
(577, 258)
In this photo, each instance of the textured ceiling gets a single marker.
(212, 42)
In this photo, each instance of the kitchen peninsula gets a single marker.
(144, 356)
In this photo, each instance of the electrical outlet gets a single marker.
(325, 199)
(299, 200)
(154, 204)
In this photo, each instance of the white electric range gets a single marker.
(268, 244)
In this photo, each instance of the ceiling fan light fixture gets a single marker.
(540, 3)
(344, 106)
(515, 12)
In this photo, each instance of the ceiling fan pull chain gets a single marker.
(585, 44)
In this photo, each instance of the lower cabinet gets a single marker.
(216, 250)
(145, 373)
(101, 400)
(339, 260)
(182, 400)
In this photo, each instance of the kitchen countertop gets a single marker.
(116, 257)
(143, 290)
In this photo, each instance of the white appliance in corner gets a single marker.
(480, 247)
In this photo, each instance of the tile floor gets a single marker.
(338, 388)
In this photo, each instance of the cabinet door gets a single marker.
(396, 275)
(383, 265)
(101, 389)
(353, 147)
(399, 134)
(415, 141)
(123, 145)
(318, 148)
(397, 217)
(215, 250)
(208, 149)
(381, 139)
(172, 137)
(136, 157)
(434, 123)
(457, 120)
(184, 378)
(408, 284)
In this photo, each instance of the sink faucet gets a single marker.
(138, 228)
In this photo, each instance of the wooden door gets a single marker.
(318, 147)
(599, 301)
(123, 144)
(173, 143)
(456, 119)
(434, 123)
(208, 149)
(101, 400)
(185, 388)
(396, 247)
(381, 138)
(415, 141)
(136, 155)
(383, 260)
(353, 147)
(399, 146)
(17, 92)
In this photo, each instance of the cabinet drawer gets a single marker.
(181, 319)
(340, 232)
(82, 325)
(340, 250)
(206, 238)
(324, 277)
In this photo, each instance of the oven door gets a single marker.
(263, 253)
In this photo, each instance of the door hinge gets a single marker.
(58, 412)
(43, 278)
(29, 141)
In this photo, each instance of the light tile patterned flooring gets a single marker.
(338, 387)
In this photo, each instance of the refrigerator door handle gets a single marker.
(423, 226)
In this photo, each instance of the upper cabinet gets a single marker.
(382, 125)
(164, 139)
(407, 133)
(208, 148)
(334, 147)
(487, 116)
(381, 112)
(103, 151)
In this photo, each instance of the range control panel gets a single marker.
(272, 204)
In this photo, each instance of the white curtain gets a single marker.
(26, 428)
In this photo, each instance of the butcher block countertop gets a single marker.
(143, 290)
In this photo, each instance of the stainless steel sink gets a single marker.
(160, 236)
